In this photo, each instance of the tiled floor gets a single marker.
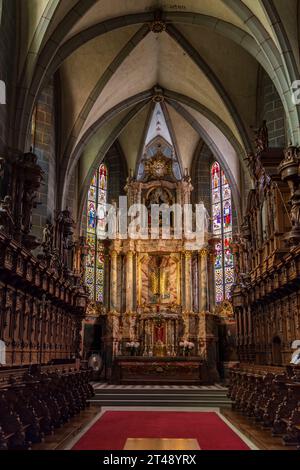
(101, 386)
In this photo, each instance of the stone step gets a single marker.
(166, 403)
(162, 396)
(130, 391)
(168, 397)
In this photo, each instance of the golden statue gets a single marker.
(154, 282)
(159, 280)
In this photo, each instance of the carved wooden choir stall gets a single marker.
(266, 294)
(42, 304)
(269, 397)
(42, 301)
(36, 401)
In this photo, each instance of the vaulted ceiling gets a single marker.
(112, 62)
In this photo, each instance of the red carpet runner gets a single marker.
(111, 431)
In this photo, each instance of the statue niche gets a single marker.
(159, 280)
(159, 288)
(159, 196)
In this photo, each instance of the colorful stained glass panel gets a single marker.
(96, 212)
(227, 217)
(92, 194)
(222, 227)
(217, 222)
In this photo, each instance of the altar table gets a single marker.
(159, 370)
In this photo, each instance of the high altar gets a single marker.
(158, 291)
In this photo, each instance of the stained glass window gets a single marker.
(96, 209)
(222, 229)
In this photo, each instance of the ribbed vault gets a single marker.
(110, 64)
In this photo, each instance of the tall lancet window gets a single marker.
(158, 138)
(96, 206)
(222, 229)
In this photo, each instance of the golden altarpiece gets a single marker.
(158, 306)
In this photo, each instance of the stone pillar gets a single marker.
(238, 324)
(114, 281)
(129, 281)
(188, 280)
(203, 280)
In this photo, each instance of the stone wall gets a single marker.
(72, 195)
(200, 172)
(270, 108)
(7, 68)
(43, 142)
(117, 172)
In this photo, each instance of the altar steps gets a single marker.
(183, 397)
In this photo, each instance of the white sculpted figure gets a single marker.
(2, 353)
(205, 215)
(296, 354)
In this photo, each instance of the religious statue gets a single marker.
(64, 234)
(164, 284)
(205, 215)
(159, 337)
(47, 242)
(262, 137)
(159, 281)
(295, 210)
(6, 219)
(296, 354)
(29, 202)
(56, 262)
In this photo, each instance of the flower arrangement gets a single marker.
(133, 346)
(187, 346)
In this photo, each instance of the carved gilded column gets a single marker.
(114, 327)
(203, 280)
(114, 280)
(188, 280)
(129, 281)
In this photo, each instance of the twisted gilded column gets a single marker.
(113, 280)
(188, 280)
(203, 280)
(129, 281)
